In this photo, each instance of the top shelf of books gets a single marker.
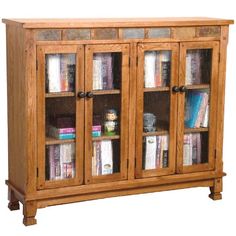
(60, 74)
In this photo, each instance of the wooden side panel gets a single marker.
(17, 105)
(221, 98)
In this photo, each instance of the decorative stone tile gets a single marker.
(208, 31)
(108, 33)
(159, 33)
(132, 33)
(76, 34)
(184, 32)
(48, 35)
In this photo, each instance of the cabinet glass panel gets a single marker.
(156, 109)
(60, 108)
(157, 68)
(198, 66)
(106, 113)
(106, 134)
(60, 72)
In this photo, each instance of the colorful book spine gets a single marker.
(195, 103)
(106, 157)
(202, 110)
(66, 136)
(165, 68)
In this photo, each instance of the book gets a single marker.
(165, 151)
(149, 69)
(165, 68)
(106, 157)
(53, 73)
(150, 154)
(202, 110)
(205, 120)
(187, 152)
(97, 72)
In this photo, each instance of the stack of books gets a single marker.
(196, 109)
(157, 69)
(60, 161)
(155, 152)
(192, 149)
(60, 72)
(62, 127)
(102, 160)
(103, 71)
(96, 130)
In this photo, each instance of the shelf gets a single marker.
(157, 89)
(105, 138)
(195, 130)
(50, 141)
(104, 92)
(60, 94)
(198, 86)
(156, 133)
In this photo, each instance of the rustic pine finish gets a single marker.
(28, 40)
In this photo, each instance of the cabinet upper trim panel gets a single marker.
(116, 22)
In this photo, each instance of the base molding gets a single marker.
(30, 206)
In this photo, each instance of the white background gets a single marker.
(179, 212)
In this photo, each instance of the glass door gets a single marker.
(106, 112)
(60, 115)
(197, 106)
(156, 109)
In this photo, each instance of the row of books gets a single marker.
(157, 69)
(60, 161)
(156, 152)
(103, 71)
(192, 149)
(60, 72)
(61, 127)
(102, 159)
(198, 66)
(197, 109)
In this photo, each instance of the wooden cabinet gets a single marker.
(107, 107)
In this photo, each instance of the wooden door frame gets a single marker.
(124, 127)
(214, 45)
(41, 109)
(142, 47)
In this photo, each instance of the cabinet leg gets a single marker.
(13, 201)
(216, 190)
(29, 211)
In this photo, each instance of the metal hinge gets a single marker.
(129, 61)
(36, 64)
(219, 57)
(127, 163)
(37, 172)
(215, 153)
(137, 61)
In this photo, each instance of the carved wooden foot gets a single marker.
(29, 211)
(216, 190)
(13, 201)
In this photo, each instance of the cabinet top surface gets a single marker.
(116, 22)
